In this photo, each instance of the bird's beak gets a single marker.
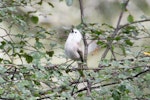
(71, 30)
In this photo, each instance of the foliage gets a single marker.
(26, 71)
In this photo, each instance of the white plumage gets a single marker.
(73, 45)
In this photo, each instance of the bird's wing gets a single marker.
(81, 54)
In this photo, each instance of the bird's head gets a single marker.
(75, 31)
(75, 35)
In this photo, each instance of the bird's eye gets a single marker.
(75, 32)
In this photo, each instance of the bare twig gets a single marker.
(72, 92)
(138, 74)
(115, 31)
(85, 48)
(114, 83)
(81, 11)
(84, 36)
(135, 22)
(89, 84)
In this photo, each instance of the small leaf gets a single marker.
(81, 73)
(116, 95)
(123, 50)
(1, 91)
(69, 2)
(36, 94)
(3, 43)
(98, 32)
(123, 6)
(1, 20)
(147, 76)
(39, 75)
(50, 53)
(39, 45)
(34, 19)
(80, 94)
(2, 80)
(118, 38)
(51, 4)
(67, 70)
(101, 43)
(122, 88)
(40, 2)
(104, 24)
(53, 44)
(1, 60)
(28, 58)
(36, 82)
(130, 18)
(128, 42)
(2, 69)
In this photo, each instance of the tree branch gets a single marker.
(135, 22)
(115, 31)
(81, 11)
(84, 34)
(117, 82)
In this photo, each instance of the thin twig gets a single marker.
(72, 92)
(89, 84)
(135, 22)
(115, 31)
(69, 65)
(85, 48)
(81, 11)
(84, 35)
(114, 83)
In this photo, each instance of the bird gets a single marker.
(73, 45)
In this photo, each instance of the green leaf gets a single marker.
(81, 73)
(28, 58)
(1, 91)
(118, 38)
(129, 30)
(51, 4)
(128, 42)
(24, 83)
(2, 69)
(39, 75)
(123, 50)
(123, 6)
(130, 18)
(116, 95)
(122, 88)
(105, 62)
(1, 60)
(36, 82)
(50, 53)
(147, 76)
(40, 35)
(69, 2)
(39, 45)
(3, 43)
(101, 43)
(2, 80)
(40, 2)
(53, 44)
(34, 19)
(104, 24)
(1, 20)
(36, 94)
(98, 32)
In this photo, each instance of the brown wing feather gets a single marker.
(81, 54)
